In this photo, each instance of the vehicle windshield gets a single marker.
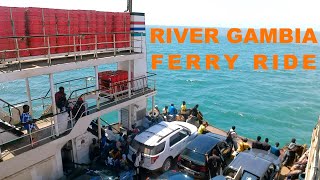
(194, 156)
(149, 150)
(248, 176)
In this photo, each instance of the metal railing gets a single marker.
(75, 46)
(46, 99)
(139, 86)
(9, 106)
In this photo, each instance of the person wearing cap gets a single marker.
(61, 100)
(243, 145)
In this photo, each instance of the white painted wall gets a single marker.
(50, 168)
(82, 146)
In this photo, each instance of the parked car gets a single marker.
(193, 159)
(174, 175)
(255, 164)
(161, 143)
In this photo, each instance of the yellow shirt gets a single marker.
(183, 107)
(201, 129)
(243, 146)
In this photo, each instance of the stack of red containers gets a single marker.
(19, 29)
(74, 29)
(35, 29)
(62, 30)
(60, 25)
(49, 18)
(101, 37)
(92, 29)
(83, 28)
(109, 27)
(113, 81)
(122, 27)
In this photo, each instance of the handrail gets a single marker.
(62, 35)
(88, 109)
(109, 125)
(10, 105)
(46, 96)
(79, 90)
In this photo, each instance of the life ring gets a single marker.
(155, 113)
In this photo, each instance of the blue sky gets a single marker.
(209, 13)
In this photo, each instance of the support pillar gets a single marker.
(29, 95)
(129, 78)
(54, 107)
(153, 105)
(96, 70)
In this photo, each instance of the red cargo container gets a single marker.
(113, 81)
(74, 29)
(34, 20)
(122, 28)
(62, 31)
(49, 18)
(15, 29)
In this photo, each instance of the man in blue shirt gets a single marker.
(172, 110)
(275, 149)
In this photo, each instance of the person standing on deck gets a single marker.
(290, 153)
(275, 149)
(257, 144)
(214, 163)
(137, 159)
(232, 137)
(61, 100)
(265, 145)
(26, 121)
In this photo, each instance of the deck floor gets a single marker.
(43, 62)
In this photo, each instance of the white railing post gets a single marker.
(114, 44)
(80, 46)
(54, 108)
(96, 46)
(74, 47)
(49, 53)
(29, 95)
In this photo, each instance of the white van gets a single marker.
(161, 143)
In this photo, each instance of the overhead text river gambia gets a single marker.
(235, 36)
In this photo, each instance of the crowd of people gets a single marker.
(114, 147)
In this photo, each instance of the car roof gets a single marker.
(204, 143)
(157, 133)
(174, 175)
(251, 163)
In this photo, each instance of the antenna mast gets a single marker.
(129, 6)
